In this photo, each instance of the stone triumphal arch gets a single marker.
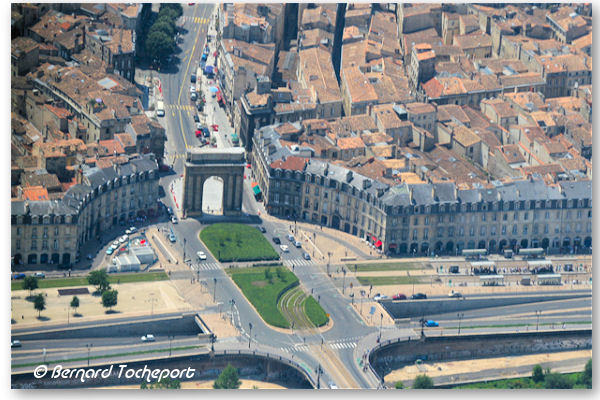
(201, 164)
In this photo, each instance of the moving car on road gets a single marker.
(172, 237)
(15, 343)
(290, 237)
(431, 324)
(297, 244)
(18, 276)
(276, 240)
(399, 296)
(455, 294)
(39, 275)
(148, 338)
(262, 229)
(284, 248)
(418, 296)
(306, 256)
(201, 255)
(379, 296)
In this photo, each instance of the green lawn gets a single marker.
(387, 280)
(315, 312)
(518, 383)
(237, 242)
(82, 281)
(262, 294)
(391, 266)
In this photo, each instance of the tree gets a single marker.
(109, 299)
(39, 303)
(423, 382)
(163, 26)
(555, 380)
(99, 278)
(75, 303)
(228, 379)
(537, 374)
(166, 383)
(399, 385)
(586, 376)
(30, 283)
(159, 44)
(174, 8)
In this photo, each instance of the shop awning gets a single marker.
(378, 243)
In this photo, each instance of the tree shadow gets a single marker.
(12, 321)
(42, 318)
(77, 315)
(112, 312)
(30, 298)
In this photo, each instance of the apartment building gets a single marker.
(53, 231)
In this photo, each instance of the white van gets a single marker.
(160, 108)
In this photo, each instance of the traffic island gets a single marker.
(230, 242)
(276, 296)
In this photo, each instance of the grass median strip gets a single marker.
(388, 280)
(132, 353)
(315, 312)
(388, 266)
(237, 242)
(50, 283)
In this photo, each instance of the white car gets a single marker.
(114, 246)
(148, 338)
(133, 229)
(378, 297)
(284, 248)
(123, 239)
(192, 88)
(201, 255)
(115, 243)
(455, 294)
(297, 244)
(128, 232)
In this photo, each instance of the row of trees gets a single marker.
(97, 278)
(540, 379)
(160, 41)
(228, 379)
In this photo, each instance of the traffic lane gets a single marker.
(583, 292)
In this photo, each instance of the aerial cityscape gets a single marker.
(301, 195)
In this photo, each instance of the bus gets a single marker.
(160, 109)
(235, 140)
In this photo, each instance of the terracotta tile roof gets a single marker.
(465, 136)
(473, 40)
(358, 85)
(348, 143)
(35, 193)
(291, 163)
(112, 146)
(419, 108)
(60, 112)
(512, 153)
(319, 74)
(376, 137)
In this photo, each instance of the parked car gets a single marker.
(169, 210)
(379, 297)
(172, 237)
(290, 237)
(114, 247)
(39, 275)
(276, 240)
(18, 276)
(284, 248)
(198, 133)
(194, 96)
(148, 338)
(399, 296)
(193, 78)
(109, 251)
(454, 294)
(306, 256)
(90, 257)
(123, 239)
(201, 255)
(215, 127)
(192, 88)
(116, 243)
(133, 229)
(198, 126)
(297, 244)
(205, 132)
(261, 228)
(196, 118)
(15, 343)
(431, 323)
(173, 219)
(418, 296)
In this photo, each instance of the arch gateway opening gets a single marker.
(227, 165)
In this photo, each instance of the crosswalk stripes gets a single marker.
(297, 262)
(332, 345)
(174, 156)
(207, 267)
(342, 345)
(184, 107)
(197, 20)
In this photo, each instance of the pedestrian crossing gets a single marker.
(297, 262)
(206, 266)
(339, 345)
(172, 157)
(196, 20)
(184, 107)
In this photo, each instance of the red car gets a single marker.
(198, 133)
(399, 296)
(215, 128)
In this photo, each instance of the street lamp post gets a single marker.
(344, 281)
(537, 324)
(460, 316)
(250, 335)
(184, 241)
(89, 347)
(215, 290)
(380, 325)
(170, 341)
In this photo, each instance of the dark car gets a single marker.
(193, 78)
(276, 240)
(399, 296)
(418, 296)
(18, 276)
(196, 118)
(262, 229)
(205, 132)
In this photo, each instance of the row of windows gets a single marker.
(34, 244)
